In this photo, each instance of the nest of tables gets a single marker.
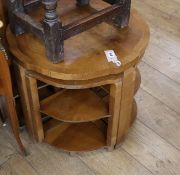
(81, 119)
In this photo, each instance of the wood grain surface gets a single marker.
(86, 66)
(76, 137)
(129, 46)
(75, 106)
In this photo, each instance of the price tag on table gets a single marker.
(112, 57)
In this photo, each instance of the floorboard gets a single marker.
(164, 28)
(159, 117)
(6, 149)
(118, 162)
(166, 63)
(160, 86)
(160, 157)
(16, 165)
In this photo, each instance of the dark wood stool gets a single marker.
(82, 120)
(50, 29)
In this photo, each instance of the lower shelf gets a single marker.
(74, 136)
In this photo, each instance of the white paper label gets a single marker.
(112, 57)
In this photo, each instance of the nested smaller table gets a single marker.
(82, 120)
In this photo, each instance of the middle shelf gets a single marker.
(75, 106)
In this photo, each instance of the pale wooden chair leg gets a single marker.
(114, 108)
(13, 120)
(35, 108)
(22, 87)
(127, 97)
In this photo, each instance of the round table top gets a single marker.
(84, 53)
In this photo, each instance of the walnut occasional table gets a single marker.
(82, 121)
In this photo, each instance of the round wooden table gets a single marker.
(82, 119)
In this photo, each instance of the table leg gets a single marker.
(137, 86)
(13, 120)
(114, 108)
(129, 79)
(22, 88)
(35, 108)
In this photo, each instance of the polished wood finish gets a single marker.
(76, 137)
(129, 45)
(126, 104)
(84, 66)
(75, 84)
(23, 91)
(33, 98)
(6, 92)
(114, 106)
(75, 106)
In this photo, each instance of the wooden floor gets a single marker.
(153, 143)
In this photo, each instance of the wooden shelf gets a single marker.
(74, 136)
(75, 106)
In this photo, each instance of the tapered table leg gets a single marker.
(13, 120)
(35, 108)
(22, 87)
(125, 115)
(114, 108)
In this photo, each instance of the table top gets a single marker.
(84, 54)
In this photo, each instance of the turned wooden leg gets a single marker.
(35, 108)
(22, 88)
(123, 20)
(13, 120)
(53, 32)
(114, 108)
(127, 97)
(15, 5)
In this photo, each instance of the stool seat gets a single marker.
(85, 58)
(53, 31)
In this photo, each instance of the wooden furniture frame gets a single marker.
(7, 94)
(84, 67)
(51, 30)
